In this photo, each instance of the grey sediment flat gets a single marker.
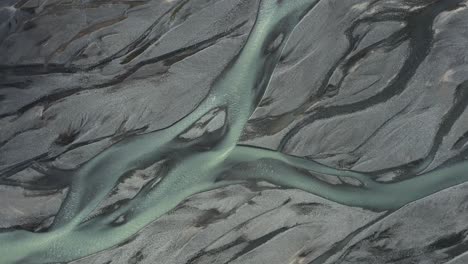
(197, 131)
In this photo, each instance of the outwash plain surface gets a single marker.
(234, 131)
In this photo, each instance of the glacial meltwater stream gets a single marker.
(74, 234)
